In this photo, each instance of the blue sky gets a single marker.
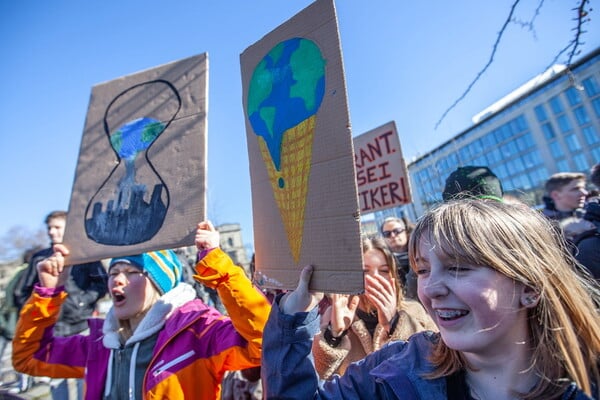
(404, 61)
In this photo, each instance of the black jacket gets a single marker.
(587, 251)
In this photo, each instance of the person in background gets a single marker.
(572, 227)
(515, 318)
(8, 310)
(587, 243)
(396, 232)
(565, 196)
(595, 175)
(354, 326)
(86, 285)
(158, 340)
(8, 320)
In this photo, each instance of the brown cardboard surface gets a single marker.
(381, 174)
(171, 166)
(318, 202)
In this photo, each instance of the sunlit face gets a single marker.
(477, 309)
(375, 263)
(395, 235)
(131, 291)
(56, 230)
(571, 196)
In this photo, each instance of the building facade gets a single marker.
(233, 245)
(551, 124)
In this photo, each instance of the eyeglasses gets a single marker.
(396, 232)
(129, 273)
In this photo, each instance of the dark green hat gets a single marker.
(472, 182)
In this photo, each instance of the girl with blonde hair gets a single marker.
(516, 320)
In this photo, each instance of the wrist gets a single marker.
(392, 324)
(333, 341)
(48, 291)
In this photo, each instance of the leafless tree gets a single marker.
(571, 50)
(18, 239)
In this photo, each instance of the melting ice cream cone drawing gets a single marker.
(296, 157)
(285, 93)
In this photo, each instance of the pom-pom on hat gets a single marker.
(162, 267)
(473, 182)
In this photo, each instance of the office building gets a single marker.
(551, 124)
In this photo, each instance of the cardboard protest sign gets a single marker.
(140, 181)
(304, 197)
(381, 173)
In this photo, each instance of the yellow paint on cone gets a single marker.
(290, 185)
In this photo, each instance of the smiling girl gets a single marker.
(515, 319)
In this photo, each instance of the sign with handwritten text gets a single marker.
(381, 175)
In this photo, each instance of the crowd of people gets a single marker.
(515, 319)
(483, 297)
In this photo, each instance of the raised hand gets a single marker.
(343, 309)
(381, 292)
(207, 237)
(52, 271)
(300, 299)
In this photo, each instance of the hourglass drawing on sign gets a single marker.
(132, 202)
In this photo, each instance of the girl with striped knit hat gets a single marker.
(158, 340)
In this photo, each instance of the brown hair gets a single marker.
(55, 214)
(562, 179)
(520, 243)
(409, 226)
(377, 243)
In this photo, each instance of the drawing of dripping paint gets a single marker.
(284, 95)
(131, 204)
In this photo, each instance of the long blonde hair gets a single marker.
(521, 244)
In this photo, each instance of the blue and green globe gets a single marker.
(135, 137)
(286, 88)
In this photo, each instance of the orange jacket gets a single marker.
(193, 350)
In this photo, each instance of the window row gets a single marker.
(573, 95)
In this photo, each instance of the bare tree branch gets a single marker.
(530, 25)
(576, 41)
(572, 47)
(512, 10)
